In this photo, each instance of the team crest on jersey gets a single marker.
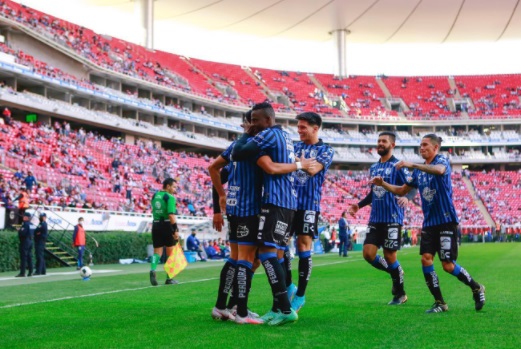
(387, 171)
(157, 205)
(428, 194)
(379, 191)
(313, 153)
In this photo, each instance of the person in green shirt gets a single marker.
(165, 233)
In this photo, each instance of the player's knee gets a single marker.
(369, 256)
(448, 267)
(426, 260)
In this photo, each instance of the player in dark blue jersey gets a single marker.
(309, 193)
(278, 202)
(440, 224)
(386, 219)
(242, 205)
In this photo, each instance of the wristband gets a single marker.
(174, 227)
(299, 165)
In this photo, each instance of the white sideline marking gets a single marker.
(147, 287)
(95, 271)
(95, 294)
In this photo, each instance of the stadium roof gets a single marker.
(369, 21)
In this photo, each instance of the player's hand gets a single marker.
(402, 163)
(222, 204)
(218, 221)
(353, 209)
(308, 165)
(402, 201)
(253, 130)
(377, 181)
(176, 235)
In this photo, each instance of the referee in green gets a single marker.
(164, 227)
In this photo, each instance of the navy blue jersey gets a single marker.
(385, 208)
(436, 194)
(243, 197)
(279, 190)
(309, 189)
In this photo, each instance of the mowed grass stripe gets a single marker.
(346, 308)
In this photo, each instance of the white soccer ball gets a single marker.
(85, 272)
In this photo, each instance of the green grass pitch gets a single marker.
(346, 307)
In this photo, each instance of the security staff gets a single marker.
(40, 238)
(25, 235)
(165, 233)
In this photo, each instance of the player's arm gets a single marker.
(275, 168)
(315, 169)
(395, 189)
(437, 170)
(244, 150)
(404, 200)
(323, 161)
(171, 206)
(215, 175)
(218, 221)
(353, 209)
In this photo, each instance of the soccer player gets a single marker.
(279, 202)
(386, 219)
(242, 206)
(165, 233)
(440, 223)
(309, 193)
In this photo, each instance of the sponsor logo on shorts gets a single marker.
(392, 233)
(242, 231)
(262, 219)
(309, 216)
(445, 243)
(446, 232)
(280, 228)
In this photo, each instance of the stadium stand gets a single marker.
(76, 168)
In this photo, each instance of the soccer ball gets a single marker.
(85, 272)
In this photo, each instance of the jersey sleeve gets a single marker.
(402, 175)
(443, 160)
(171, 205)
(325, 157)
(412, 180)
(226, 154)
(265, 139)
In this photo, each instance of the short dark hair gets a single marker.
(436, 139)
(247, 116)
(266, 108)
(168, 181)
(311, 117)
(390, 134)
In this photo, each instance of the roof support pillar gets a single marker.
(340, 39)
(145, 11)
